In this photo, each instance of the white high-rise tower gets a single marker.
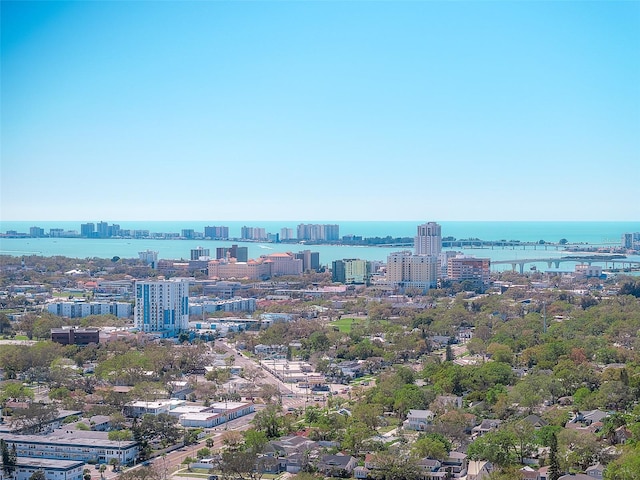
(428, 241)
(162, 306)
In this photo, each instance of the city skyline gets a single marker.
(456, 111)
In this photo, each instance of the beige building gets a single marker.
(412, 271)
(230, 268)
(461, 267)
(283, 264)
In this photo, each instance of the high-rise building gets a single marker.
(318, 233)
(36, 232)
(428, 241)
(253, 233)
(310, 260)
(162, 306)
(149, 257)
(462, 267)
(216, 232)
(200, 253)
(351, 270)
(87, 229)
(103, 229)
(631, 240)
(286, 234)
(188, 233)
(412, 271)
(241, 254)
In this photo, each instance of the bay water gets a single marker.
(591, 233)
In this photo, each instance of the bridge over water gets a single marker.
(609, 261)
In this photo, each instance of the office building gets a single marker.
(162, 306)
(428, 241)
(75, 336)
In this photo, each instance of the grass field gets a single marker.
(344, 324)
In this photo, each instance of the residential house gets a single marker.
(418, 420)
(528, 473)
(337, 465)
(478, 470)
(487, 425)
(447, 402)
(595, 471)
(455, 464)
(536, 421)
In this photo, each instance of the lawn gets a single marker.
(344, 324)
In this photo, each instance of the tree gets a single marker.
(142, 473)
(161, 427)
(34, 417)
(102, 469)
(254, 440)
(393, 467)
(554, 465)
(240, 465)
(268, 421)
(37, 475)
(432, 446)
(203, 452)
(9, 457)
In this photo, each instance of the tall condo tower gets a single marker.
(428, 241)
(162, 306)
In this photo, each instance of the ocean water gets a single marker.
(594, 233)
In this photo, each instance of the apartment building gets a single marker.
(462, 267)
(162, 306)
(63, 446)
(405, 270)
(81, 309)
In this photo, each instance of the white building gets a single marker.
(428, 241)
(52, 469)
(140, 407)
(222, 412)
(419, 419)
(162, 306)
(60, 446)
(81, 309)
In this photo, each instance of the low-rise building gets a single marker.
(63, 446)
(52, 469)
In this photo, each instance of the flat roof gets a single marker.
(48, 464)
(65, 440)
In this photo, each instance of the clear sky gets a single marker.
(327, 110)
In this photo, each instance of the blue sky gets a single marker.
(354, 110)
